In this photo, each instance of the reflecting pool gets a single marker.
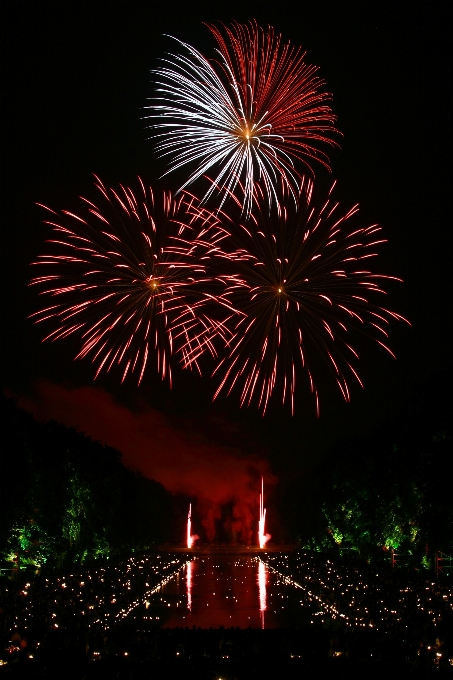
(229, 591)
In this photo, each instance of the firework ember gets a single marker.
(251, 113)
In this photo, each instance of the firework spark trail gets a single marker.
(253, 112)
(298, 275)
(132, 280)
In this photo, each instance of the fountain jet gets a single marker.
(191, 538)
(262, 536)
(189, 528)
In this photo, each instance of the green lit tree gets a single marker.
(64, 497)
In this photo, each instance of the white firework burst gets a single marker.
(253, 113)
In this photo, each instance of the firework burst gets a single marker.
(301, 276)
(128, 278)
(250, 114)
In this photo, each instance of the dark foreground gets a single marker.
(225, 654)
(100, 622)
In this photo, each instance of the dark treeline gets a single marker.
(388, 493)
(65, 498)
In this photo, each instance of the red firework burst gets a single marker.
(131, 274)
(301, 277)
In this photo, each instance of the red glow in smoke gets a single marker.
(183, 459)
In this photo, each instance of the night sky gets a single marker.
(76, 77)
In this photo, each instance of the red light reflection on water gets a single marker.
(219, 591)
(189, 569)
(223, 590)
(262, 583)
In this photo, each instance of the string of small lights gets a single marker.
(361, 596)
(100, 596)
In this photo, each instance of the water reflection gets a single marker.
(227, 590)
(262, 582)
(189, 569)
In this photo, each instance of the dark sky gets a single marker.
(75, 79)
